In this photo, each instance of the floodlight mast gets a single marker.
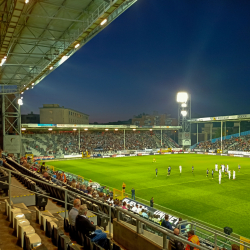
(184, 114)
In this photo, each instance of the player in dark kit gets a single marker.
(169, 170)
(207, 172)
(192, 169)
(212, 173)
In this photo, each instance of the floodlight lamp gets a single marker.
(27, 88)
(21, 97)
(20, 101)
(26, 1)
(106, 129)
(3, 61)
(116, 129)
(77, 45)
(184, 113)
(184, 105)
(23, 129)
(104, 21)
(134, 129)
(32, 83)
(51, 67)
(150, 129)
(74, 128)
(50, 129)
(85, 129)
(21, 93)
(182, 97)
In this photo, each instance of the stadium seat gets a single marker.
(66, 225)
(63, 242)
(73, 232)
(31, 241)
(56, 233)
(25, 230)
(72, 246)
(116, 247)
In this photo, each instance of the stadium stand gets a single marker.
(166, 140)
(91, 141)
(241, 143)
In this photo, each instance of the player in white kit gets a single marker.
(233, 175)
(219, 178)
(219, 171)
(222, 168)
(180, 167)
(229, 174)
(216, 167)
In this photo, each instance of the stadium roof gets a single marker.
(38, 36)
(231, 118)
(95, 127)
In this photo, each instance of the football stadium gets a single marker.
(155, 182)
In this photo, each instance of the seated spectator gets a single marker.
(139, 210)
(124, 205)
(77, 186)
(135, 208)
(74, 211)
(64, 179)
(45, 175)
(83, 223)
(175, 244)
(167, 224)
(82, 188)
(73, 185)
(235, 247)
(144, 214)
(183, 227)
(194, 239)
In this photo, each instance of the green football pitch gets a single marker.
(189, 195)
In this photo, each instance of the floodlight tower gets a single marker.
(184, 114)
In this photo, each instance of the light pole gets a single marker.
(184, 114)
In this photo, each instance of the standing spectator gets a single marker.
(133, 194)
(166, 223)
(194, 239)
(152, 202)
(74, 212)
(175, 244)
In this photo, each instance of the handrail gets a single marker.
(164, 231)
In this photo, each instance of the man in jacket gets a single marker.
(83, 223)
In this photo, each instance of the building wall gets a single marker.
(155, 120)
(54, 114)
(30, 118)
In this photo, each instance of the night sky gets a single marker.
(153, 50)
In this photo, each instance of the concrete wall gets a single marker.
(130, 240)
(61, 115)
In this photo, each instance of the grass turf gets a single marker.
(190, 195)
